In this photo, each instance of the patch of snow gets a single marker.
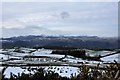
(42, 51)
(111, 58)
(2, 51)
(3, 57)
(19, 54)
(15, 70)
(96, 53)
(64, 71)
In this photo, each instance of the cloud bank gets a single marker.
(82, 18)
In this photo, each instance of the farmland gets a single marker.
(29, 61)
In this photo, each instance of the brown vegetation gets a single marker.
(112, 72)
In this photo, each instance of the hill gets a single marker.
(89, 42)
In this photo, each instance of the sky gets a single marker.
(59, 18)
(60, 0)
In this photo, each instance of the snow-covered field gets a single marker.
(62, 70)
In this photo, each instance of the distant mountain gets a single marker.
(90, 42)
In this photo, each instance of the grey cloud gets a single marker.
(60, 16)
(64, 15)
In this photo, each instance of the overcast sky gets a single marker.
(65, 18)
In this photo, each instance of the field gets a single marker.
(15, 62)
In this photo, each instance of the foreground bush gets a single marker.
(110, 72)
